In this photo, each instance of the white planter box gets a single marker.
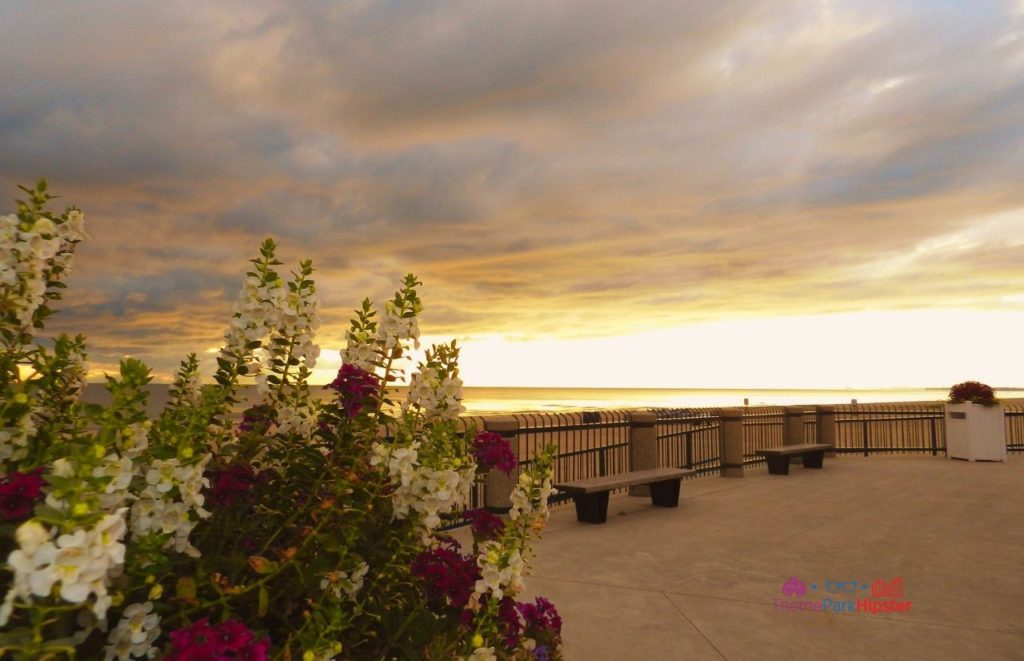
(975, 432)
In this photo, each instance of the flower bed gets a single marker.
(308, 531)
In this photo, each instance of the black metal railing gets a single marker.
(590, 443)
(1014, 422)
(890, 429)
(689, 438)
(762, 428)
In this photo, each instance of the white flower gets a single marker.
(31, 535)
(135, 634)
(499, 575)
(483, 654)
(338, 582)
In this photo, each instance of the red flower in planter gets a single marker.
(972, 391)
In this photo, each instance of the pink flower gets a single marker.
(231, 484)
(492, 451)
(356, 388)
(19, 493)
(229, 640)
(449, 576)
(972, 391)
(483, 523)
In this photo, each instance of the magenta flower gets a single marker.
(231, 484)
(492, 451)
(228, 640)
(19, 493)
(357, 389)
(449, 576)
(483, 523)
(541, 616)
(973, 391)
(508, 614)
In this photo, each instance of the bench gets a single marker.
(591, 495)
(813, 454)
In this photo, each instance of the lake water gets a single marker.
(509, 400)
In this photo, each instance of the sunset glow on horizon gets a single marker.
(653, 194)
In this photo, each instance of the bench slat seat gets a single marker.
(812, 454)
(793, 449)
(610, 482)
(591, 495)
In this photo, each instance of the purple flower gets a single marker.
(492, 451)
(19, 493)
(483, 523)
(541, 616)
(449, 576)
(357, 389)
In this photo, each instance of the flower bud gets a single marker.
(156, 591)
(21, 398)
(478, 641)
(79, 509)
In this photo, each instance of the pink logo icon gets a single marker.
(794, 587)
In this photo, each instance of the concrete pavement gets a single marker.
(704, 581)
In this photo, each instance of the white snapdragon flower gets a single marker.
(120, 470)
(499, 575)
(158, 511)
(437, 395)
(135, 634)
(530, 497)
(394, 328)
(359, 352)
(14, 440)
(30, 256)
(80, 563)
(483, 654)
(347, 583)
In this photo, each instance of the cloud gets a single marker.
(548, 169)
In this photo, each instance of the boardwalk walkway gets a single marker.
(699, 582)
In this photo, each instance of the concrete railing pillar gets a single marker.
(497, 485)
(826, 427)
(793, 429)
(731, 439)
(643, 446)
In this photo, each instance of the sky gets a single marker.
(619, 194)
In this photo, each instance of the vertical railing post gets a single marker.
(689, 448)
(498, 485)
(935, 438)
(643, 446)
(731, 439)
(825, 426)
